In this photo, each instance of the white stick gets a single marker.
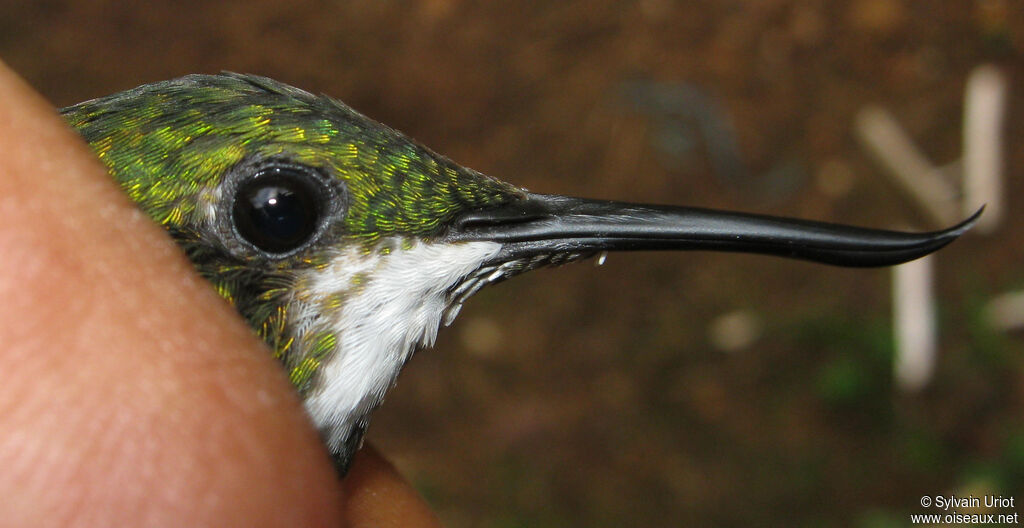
(984, 107)
(914, 314)
(884, 137)
(1006, 311)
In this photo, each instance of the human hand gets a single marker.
(130, 393)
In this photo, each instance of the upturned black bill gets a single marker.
(547, 224)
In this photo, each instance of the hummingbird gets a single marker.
(346, 245)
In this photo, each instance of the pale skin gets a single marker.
(130, 394)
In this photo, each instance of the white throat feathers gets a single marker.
(395, 299)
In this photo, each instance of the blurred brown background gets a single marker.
(588, 396)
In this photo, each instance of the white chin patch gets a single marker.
(393, 304)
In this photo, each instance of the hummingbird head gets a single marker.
(345, 244)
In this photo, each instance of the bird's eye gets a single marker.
(279, 209)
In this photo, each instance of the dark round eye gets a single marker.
(279, 209)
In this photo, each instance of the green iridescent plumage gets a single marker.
(165, 142)
(169, 145)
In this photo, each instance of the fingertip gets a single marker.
(378, 496)
(131, 394)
